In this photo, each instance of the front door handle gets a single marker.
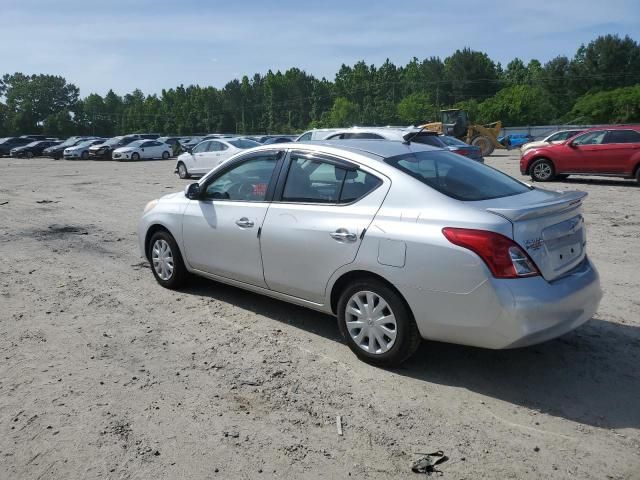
(244, 222)
(343, 235)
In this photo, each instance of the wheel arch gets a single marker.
(535, 159)
(151, 231)
(354, 275)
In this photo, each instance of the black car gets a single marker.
(148, 136)
(8, 143)
(104, 150)
(272, 140)
(33, 149)
(56, 151)
(34, 137)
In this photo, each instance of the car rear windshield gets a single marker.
(243, 143)
(428, 139)
(457, 177)
(452, 141)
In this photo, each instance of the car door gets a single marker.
(198, 157)
(314, 226)
(220, 231)
(583, 154)
(217, 153)
(622, 145)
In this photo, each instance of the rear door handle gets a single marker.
(244, 222)
(343, 235)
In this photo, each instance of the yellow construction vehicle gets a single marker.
(455, 123)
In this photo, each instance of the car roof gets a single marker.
(613, 127)
(374, 149)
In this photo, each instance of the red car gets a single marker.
(607, 151)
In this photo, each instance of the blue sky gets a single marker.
(160, 44)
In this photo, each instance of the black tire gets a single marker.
(407, 336)
(183, 173)
(542, 170)
(165, 155)
(85, 155)
(29, 154)
(179, 274)
(484, 143)
(638, 175)
(135, 156)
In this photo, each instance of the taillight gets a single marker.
(502, 255)
(462, 151)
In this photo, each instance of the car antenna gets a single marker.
(409, 137)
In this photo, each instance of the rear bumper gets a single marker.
(510, 313)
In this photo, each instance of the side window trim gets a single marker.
(207, 180)
(286, 166)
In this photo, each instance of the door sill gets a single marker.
(265, 291)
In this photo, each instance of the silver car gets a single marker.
(399, 241)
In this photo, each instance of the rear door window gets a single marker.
(317, 181)
(622, 136)
(432, 140)
(457, 177)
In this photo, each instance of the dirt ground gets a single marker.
(104, 374)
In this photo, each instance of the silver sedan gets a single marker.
(400, 241)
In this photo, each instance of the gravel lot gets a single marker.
(104, 374)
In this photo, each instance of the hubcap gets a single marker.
(162, 259)
(370, 322)
(542, 170)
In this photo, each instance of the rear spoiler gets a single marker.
(564, 202)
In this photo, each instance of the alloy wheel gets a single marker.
(371, 322)
(542, 171)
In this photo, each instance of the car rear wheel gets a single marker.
(166, 262)
(542, 170)
(135, 156)
(182, 171)
(165, 155)
(377, 324)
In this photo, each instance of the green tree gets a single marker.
(470, 74)
(518, 105)
(30, 99)
(344, 113)
(415, 109)
(621, 105)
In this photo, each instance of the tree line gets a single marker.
(600, 84)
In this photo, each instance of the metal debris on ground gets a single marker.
(339, 424)
(427, 463)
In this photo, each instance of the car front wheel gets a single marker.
(542, 170)
(166, 262)
(135, 156)
(377, 324)
(183, 173)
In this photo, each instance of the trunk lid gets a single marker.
(548, 225)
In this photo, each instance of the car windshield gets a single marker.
(69, 142)
(4, 140)
(457, 177)
(452, 141)
(86, 143)
(243, 143)
(113, 141)
(32, 144)
(135, 144)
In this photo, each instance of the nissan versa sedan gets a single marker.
(399, 241)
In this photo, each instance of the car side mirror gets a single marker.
(192, 191)
(571, 145)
